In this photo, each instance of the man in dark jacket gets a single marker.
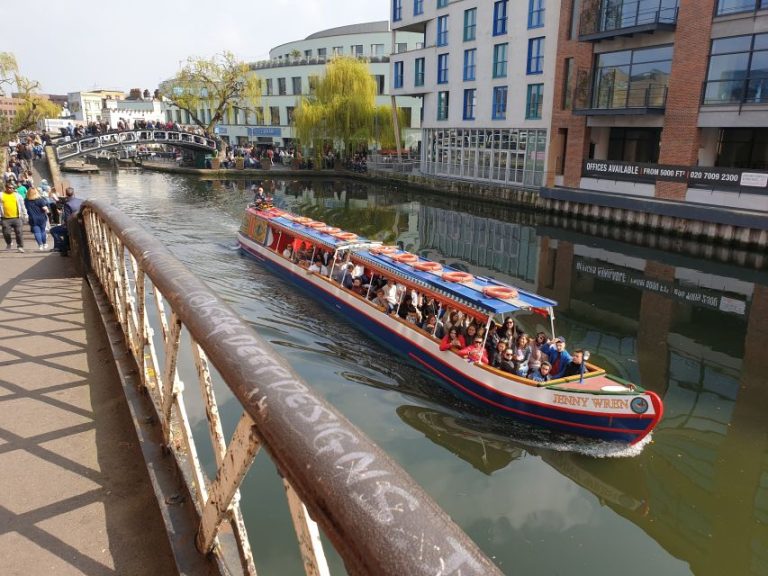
(60, 233)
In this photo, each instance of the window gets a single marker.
(500, 60)
(259, 116)
(418, 7)
(397, 10)
(469, 63)
(743, 148)
(312, 81)
(442, 68)
(469, 104)
(442, 30)
(568, 84)
(307, 54)
(281, 91)
(738, 70)
(442, 105)
(536, 55)
(356, 50)
(733, 6)
(442, 3)
(470, 24)
(398, 74)
(274, 115)
(377, 49)
(499, 102)
(337, 50)
(535, 13)
(632, 78)
(418, 69)
(500, 17)
(379, 79)
(289, 113)
(321, 52)
(534, 101)
(634, 145)
(401, 47)
(268, 87)
(296, 84)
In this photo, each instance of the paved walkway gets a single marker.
(75, 497)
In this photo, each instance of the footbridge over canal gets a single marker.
(174, 343)
(67, 149)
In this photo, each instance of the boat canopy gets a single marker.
(314, 235)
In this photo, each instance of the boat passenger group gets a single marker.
(505, 347)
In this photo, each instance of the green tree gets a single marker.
(221, 84)
(342, 112)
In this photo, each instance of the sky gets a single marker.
(107, 44)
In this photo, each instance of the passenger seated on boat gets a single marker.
(454, 319)
(470, 332)
(522, 353)
(288, 252)
(402, 309)
(475, 352)
(318, 266)
(507, 363)
(534, 360)
(507, 332)
(557, 355)
(380, 300)
(433, 326)
(390, 293)
(358, 288)
(452, 341)
(543, 374)
(540, 340)
(413, 316)
(575, 365)
(498, 355)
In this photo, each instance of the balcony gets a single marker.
(735, 92)
(627, 99)
(601, 20)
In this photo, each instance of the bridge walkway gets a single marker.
(76, 496)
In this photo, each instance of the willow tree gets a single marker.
(220, 84)
(342, 112)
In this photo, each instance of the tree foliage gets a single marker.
(220, 84)
(342, 111)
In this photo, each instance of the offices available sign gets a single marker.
(704, 176)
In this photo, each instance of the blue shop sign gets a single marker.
(220, 130)
(265, 132)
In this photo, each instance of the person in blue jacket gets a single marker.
(558, 356)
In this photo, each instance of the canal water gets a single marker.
(694, 500)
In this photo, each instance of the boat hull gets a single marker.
(581, 414)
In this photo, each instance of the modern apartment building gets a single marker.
(663, 99)
(485, 72)
(294, 67)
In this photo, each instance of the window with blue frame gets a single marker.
(418, 70)
(442, 3)
(418, 7)
(500, 60)
(442, 68)
(535, 13)
(442, 30)
(536, 55)
(470, 24)
(499, 109)
(470, 96)
(534, 101)
(469, 63)
(398, 74)
(442, 105)
(500, 17)
(397, 10)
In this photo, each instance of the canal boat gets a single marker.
(593, 404)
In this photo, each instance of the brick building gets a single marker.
(663, 99)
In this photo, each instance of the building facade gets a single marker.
(484, 71)
(663, 99)
(292, 70)
(87, 106)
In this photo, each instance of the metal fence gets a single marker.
(336, 479)
(404, 164)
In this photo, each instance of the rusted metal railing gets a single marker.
(373, 513)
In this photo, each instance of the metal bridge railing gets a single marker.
(68, 148)
(373, 513)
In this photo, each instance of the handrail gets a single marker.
(378, 519)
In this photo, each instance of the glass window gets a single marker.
(745, 148)
(500, 17)
(470, 24)
(401, 47)
(534, 101)
(296, 84)
(397, 10)
(469, 104)
(289, 113)
(500, 60)
(418, 69)
(418, 7)
(398, 74)
(307, 54)
(469, 63)
(499, 102)
(268, 87)
(442, 68)
(442, 3)
(281, 91)
(738, 70)
(379, 79)
(356, 49)
(338, 50)
(536, 55)
(442, 105)
(321, 52)
(442, 30)
(632, 78)
(535, 13)
(634, 145)
(274, 114)
(313, 81)
(733, 6)
(377, 49)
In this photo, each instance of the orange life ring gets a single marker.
(406, 258)
(500, 292)
(345, 236)
(303, 220)
(384, 250)
(458, 277)
(316, 224)
(329, 230)
(428, 266)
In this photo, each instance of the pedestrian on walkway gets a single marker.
(61, 233)
(37, 210)
(12, 215)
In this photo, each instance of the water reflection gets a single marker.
(693, 501)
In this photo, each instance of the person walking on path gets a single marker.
(37, 209)
(12, 213)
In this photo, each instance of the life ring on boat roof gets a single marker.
(316, 224)
(405, 258)
(458, 277)
(345, 235)
(329, 230)
(303, 220)
(502, 292)
(384, 250)
(428, 266)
